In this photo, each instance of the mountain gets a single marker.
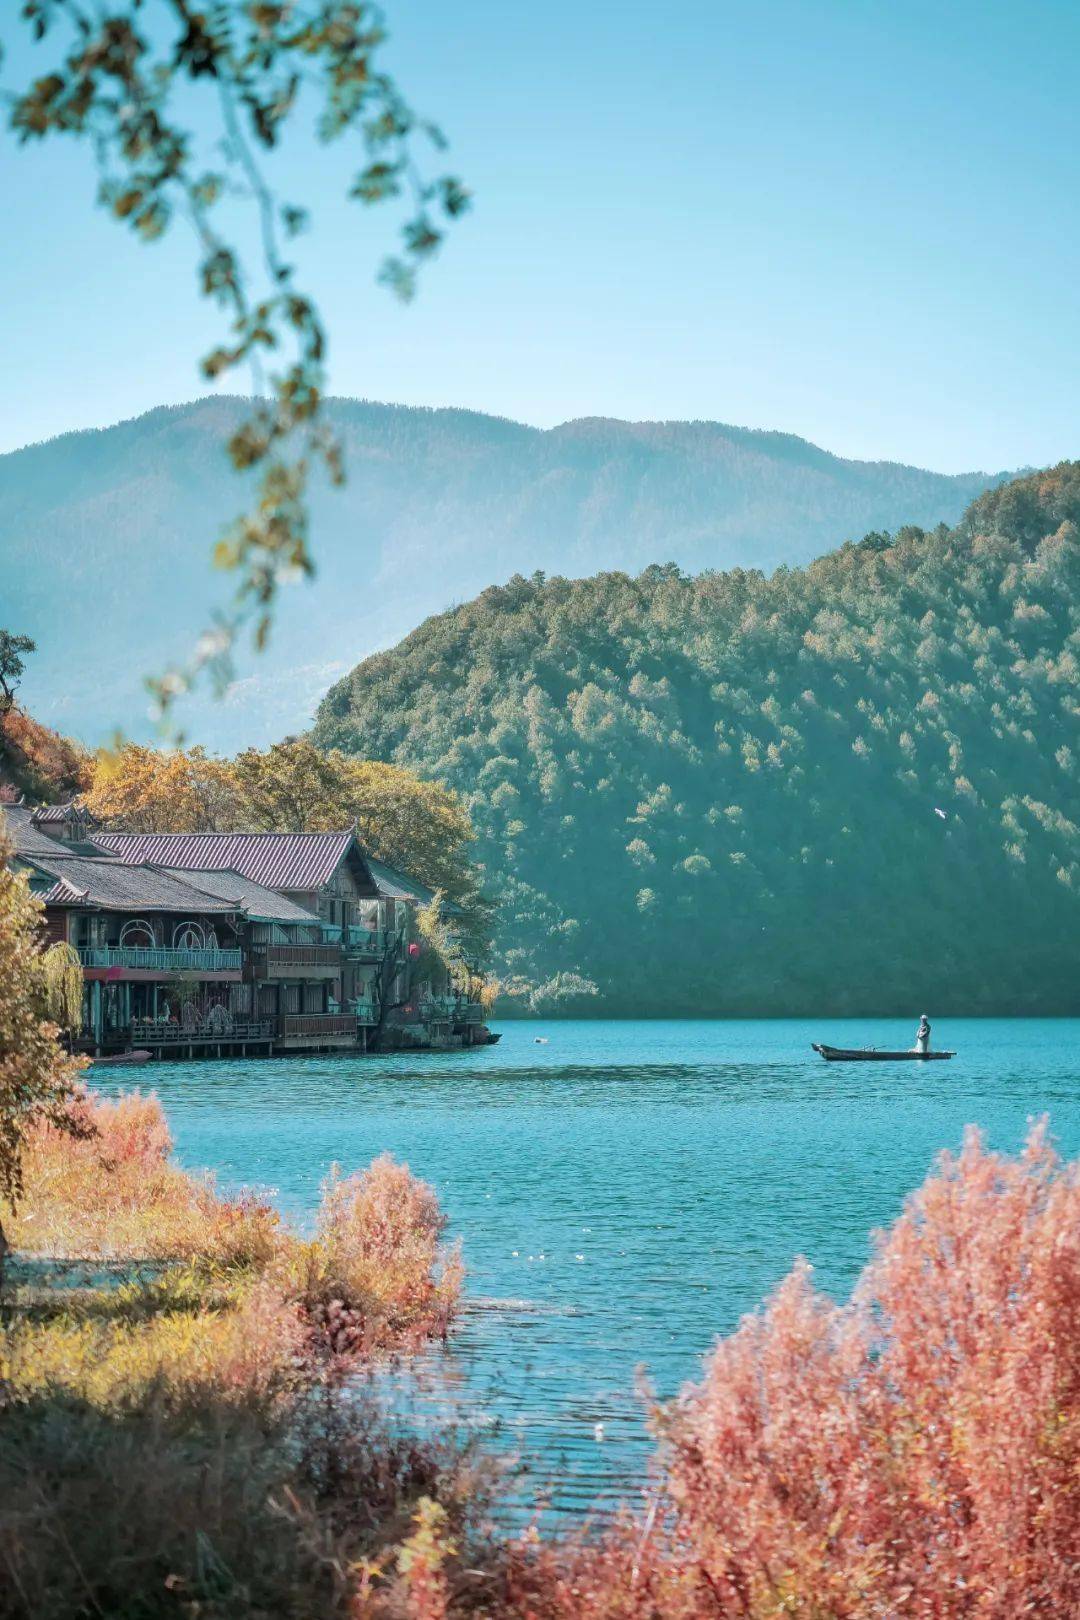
(105, 538)
(847, 788)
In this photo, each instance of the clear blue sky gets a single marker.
(857, 221)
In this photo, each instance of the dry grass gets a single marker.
(374, 1277)
(115, 1194)
(192, 1441)
(178, 1336)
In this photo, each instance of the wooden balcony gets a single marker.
(295, 961)
(149, 1032)
(160, 959)
(316, 1029)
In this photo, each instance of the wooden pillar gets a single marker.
(95, 1004)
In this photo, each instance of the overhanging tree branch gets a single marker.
(120, 68)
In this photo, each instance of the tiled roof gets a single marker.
(395, 885)
(18, 822)
(260, 903)
(46, 813)
(115, 886)
(295, 861)
(57, 891)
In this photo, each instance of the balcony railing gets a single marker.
(442, 1009)
(316, 1024)
(149, 1032)
(365, 1012)
(287, 956)
(160, 959)
(369, 941)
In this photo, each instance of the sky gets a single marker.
(854, 221)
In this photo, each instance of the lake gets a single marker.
(623, 1191)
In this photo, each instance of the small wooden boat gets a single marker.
(139, 1055)
(865, 1054)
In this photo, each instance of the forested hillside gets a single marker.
(848, 787)
(106, 537)
(38, 762)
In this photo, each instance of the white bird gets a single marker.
(940, 813)
(540, 1040)
(598, 1432)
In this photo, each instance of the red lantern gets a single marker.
(414, 949)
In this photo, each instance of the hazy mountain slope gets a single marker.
(105, 537)
(851, 787)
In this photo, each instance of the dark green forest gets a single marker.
(850, 787)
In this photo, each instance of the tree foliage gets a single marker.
(849, 787)
(124, 78)
(12, 650)
(34, 760)
(37, 1079)
(38, 762)
(62, 987)
(154, 790)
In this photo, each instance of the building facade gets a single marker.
(237, 942)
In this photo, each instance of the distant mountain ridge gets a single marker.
(105, 537)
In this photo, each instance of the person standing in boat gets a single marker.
(922, 1035)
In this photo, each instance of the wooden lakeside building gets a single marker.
(214, 944)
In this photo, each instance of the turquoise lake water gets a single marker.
(623, 1191)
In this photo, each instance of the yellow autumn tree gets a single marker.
(154, 790)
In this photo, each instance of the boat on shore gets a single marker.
(871, 1054)
(140, 1055)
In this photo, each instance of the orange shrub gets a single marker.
(39, 761)
(375, 1277)
(129, 1130)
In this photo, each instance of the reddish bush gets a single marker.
(112, 1191)
(917, 1451)
(128, 1130)
(375, 1276)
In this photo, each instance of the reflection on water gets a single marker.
(624, 1192)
